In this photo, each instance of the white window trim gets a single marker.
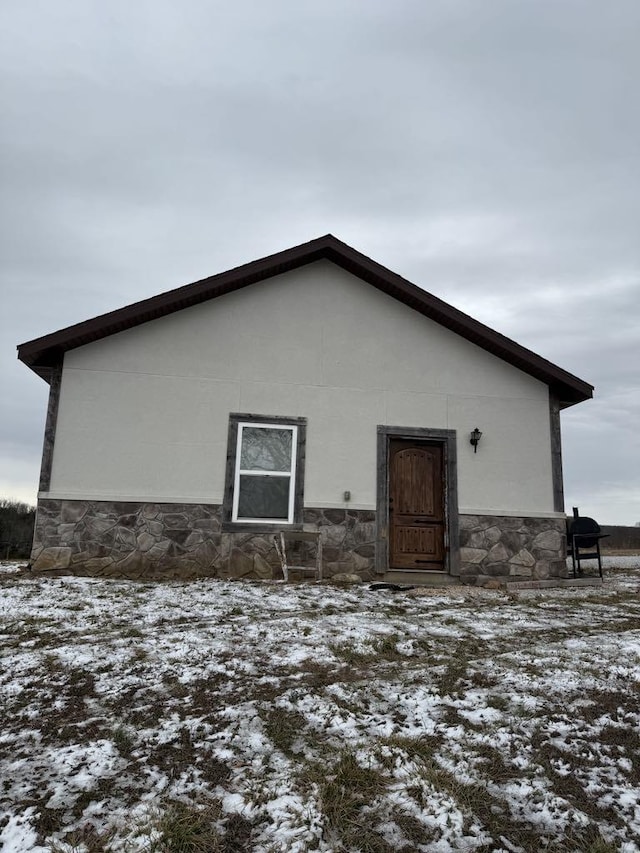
(291, 475)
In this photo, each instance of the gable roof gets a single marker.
(42, 354)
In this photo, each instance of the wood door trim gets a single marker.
(446, 437)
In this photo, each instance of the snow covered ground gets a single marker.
(219, 716)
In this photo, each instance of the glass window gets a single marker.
(264, 482)
(266, 448)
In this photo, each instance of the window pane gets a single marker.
(265, 449)
(264, 497)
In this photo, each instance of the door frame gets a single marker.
(447, 439)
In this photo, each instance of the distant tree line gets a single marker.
(622, 538)
(16, 528)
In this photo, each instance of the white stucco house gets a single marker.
(310, 389)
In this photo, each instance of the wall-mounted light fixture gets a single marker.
(475, 437)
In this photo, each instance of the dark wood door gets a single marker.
(416, 507)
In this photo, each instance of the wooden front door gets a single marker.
(416, 506)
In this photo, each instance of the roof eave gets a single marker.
(41, 354)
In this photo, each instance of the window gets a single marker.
(264, 470)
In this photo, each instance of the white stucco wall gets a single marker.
(143, 414)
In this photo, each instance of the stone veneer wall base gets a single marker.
(511, 548)
(156, 540)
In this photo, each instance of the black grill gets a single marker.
(583, 541)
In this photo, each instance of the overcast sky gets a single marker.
(487, 150)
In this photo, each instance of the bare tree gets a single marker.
(16, 528)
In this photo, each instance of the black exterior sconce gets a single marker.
(476, 435)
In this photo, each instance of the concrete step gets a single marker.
(554, 582)
(417, 578)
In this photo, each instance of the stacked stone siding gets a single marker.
(511, 548)
(155, 540)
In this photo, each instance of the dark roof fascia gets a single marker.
(41, 354)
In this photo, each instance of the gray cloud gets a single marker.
(488, 152)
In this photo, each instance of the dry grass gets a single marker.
(384, 744)
(344, 791)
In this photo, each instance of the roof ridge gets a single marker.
(41, 354)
